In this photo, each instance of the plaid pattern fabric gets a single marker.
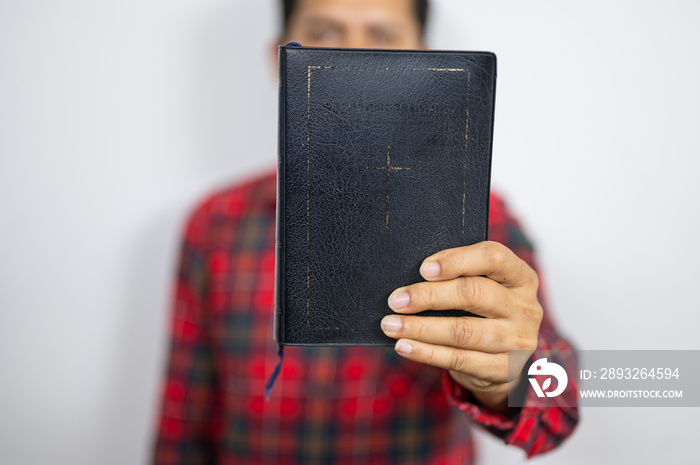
(341, 405)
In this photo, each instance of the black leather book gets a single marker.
(384, 159)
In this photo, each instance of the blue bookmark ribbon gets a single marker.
(273, 377)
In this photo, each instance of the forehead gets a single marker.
(398, 10)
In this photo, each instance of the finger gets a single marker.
(478, 295)
(487, 367)
(489, 259)
(483, 335)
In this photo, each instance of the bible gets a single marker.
(384, 160)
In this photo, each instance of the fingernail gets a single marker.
(399, 300)
(430, 269)
(391, 323)
(403, 347)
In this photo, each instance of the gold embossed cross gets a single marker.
(388, 169)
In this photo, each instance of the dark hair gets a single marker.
(419, 6)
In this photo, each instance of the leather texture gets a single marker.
(384, 159)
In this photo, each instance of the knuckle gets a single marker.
(531, 277)
(532, 311)
(416, 327)
(470, 291)
(498, 257)
(497, 338)
(421, 294)
(525, 343)
(531, 344)
(458, 362)
(535, 279)
(488, 245)
(441, 255)
(462, 332)
(445, 258)
(430, 357)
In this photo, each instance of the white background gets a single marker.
(116, 116)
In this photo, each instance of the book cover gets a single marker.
(384, 159)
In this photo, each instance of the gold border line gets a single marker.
(308, 172)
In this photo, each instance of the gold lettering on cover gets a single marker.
(308, 195)
(388, 168)
(466, 146)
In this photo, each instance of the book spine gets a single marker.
(279, 331)
(494, 71)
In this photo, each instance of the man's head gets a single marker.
(355, 23)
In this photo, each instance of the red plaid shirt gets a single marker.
(342, 405)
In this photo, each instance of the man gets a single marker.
(351, 404)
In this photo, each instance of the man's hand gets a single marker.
(486, 279)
